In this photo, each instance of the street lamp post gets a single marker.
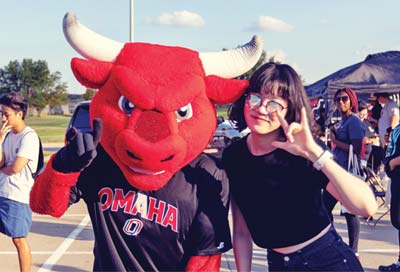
(132, 4)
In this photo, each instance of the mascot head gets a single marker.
(156, 102)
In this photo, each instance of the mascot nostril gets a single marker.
(162, 205)
(152, 126)
(168, 159)
(131, 155)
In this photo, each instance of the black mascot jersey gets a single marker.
(187, 217)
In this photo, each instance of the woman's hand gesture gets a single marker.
(300, 141)
(5, 128)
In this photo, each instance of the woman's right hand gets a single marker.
(5, 128)
(300, 141)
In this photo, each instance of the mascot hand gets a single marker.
(80, 149)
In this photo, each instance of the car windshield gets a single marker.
(82, 120)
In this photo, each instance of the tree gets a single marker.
(37, 100)
(89, 93)
(10, 77)
(263, 59)
(260, 62)
(35, 81)
(56, 94)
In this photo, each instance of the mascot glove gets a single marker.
(80, 149)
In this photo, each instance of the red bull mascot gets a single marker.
(155, 201)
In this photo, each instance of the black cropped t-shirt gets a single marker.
(279, 195)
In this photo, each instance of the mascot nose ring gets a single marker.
(152, 126)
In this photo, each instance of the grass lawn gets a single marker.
(223, 111)
(51, 128)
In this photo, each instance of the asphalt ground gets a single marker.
(66, 243)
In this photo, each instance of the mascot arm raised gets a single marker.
(204, 263)
(63, 169)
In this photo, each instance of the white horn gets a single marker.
(87, 43)
(235, 62)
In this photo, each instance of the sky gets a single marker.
(316, 37)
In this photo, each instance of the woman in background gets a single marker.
(350, 131)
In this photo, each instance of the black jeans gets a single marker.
(328, 253)
(395, 206)
(395, 202)
(352, 221)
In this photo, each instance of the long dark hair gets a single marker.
(279, 80)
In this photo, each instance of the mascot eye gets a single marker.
(184, 113)
(125, 105)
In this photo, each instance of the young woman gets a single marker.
(350, 131)
(276, 176)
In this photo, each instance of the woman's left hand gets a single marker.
(300, 141)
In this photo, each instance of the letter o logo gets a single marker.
(133, 227)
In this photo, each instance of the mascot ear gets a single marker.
(223, 91)
(91, 73)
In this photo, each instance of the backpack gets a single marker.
(40, 160)
(40, 165)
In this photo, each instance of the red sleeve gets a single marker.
(204, 263)
(51, 190)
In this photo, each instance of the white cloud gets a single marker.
(278, 54)
(268, 23)
(182, 18)
(365, 51)
(281, 57)
(371, 49)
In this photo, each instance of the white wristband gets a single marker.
(325, 156)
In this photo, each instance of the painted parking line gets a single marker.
(57, 219)
(49, 252)
(371, 250)
(60, 251)
(378, 250)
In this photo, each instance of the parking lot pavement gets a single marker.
(378, 245)
(63, 244)
(66, 244)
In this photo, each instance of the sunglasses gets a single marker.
(255, 101)
(344, 99)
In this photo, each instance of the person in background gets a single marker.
(377, 152)
(278, 170)
(392, 168)
(350, 131)
(389, 115)
(371, 136)
(375, 112)
(321, 121)
(19, 150)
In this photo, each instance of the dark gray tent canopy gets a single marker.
(377, 73)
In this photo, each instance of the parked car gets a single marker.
(224, 134)
(80, 117)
